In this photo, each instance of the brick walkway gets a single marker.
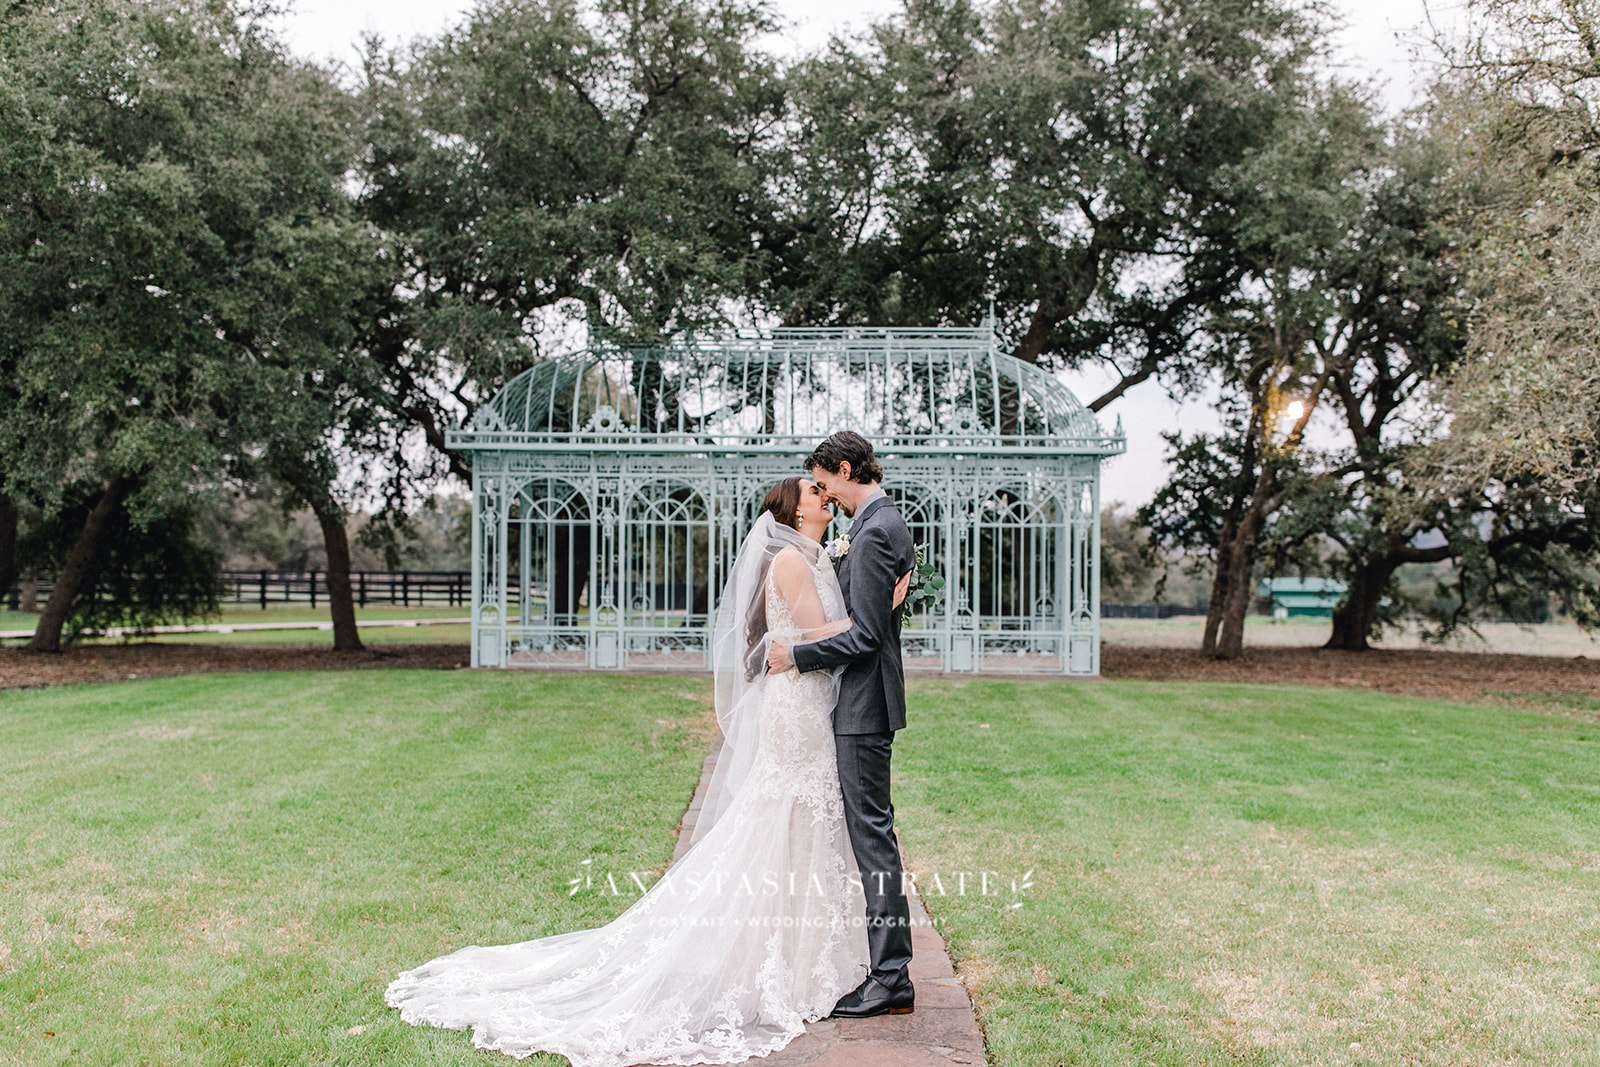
(942, 1031)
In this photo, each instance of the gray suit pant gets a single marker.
(869, 816)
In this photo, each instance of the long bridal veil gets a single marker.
(755, 930)
(740, 637)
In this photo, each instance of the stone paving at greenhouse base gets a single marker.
(941, 1031)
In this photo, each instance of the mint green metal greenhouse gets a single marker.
(612, 487)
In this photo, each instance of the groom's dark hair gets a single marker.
(844, 447)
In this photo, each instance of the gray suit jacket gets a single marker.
(872, 687)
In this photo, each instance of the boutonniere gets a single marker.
(837, 548)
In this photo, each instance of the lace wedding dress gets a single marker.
(756, 930)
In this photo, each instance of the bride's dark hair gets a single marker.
(783, 503)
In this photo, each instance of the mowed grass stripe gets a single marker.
(230, 868)
(1261, 874)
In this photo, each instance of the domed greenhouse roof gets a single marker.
(905, 390)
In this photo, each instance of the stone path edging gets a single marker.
(943, 1030)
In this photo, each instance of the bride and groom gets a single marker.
(789, 904)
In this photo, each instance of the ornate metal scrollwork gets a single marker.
(613, 487)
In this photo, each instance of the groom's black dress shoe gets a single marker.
(872, 997)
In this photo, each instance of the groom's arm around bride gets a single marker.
(871, 706)
(880, 552)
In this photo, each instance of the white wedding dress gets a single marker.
(756, 930)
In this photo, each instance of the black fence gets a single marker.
(454, 589)
(264, 589)
(406, 589)
(410, 589)
(1147, 611)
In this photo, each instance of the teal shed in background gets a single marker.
(1291, 598)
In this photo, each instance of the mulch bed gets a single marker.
(1443, 675)
(21, 669)
(1438, 674)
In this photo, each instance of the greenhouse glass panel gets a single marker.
(612, 487)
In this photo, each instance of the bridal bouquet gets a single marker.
(927, 585)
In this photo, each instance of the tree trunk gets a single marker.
(341, 600)
(8, 545)
(1241, 565)
(1223, 580)
(1040, 326)
(1353, 619)
(80, 561)
(571, 573)
(1219, 587)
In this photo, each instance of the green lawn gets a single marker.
(279, 613)
(1557, 638)
(230, 868)
(1262, 875)
(300, 612)
(233, 613)
(1549, 639)
(441, 634)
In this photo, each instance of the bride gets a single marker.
(759, 927)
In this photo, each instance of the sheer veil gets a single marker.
(703, 970)
(739, 655)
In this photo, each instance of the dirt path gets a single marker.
(1443, 675)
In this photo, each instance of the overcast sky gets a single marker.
(1377, 42)
(1373, 42)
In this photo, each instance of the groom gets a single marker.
(872, 706)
